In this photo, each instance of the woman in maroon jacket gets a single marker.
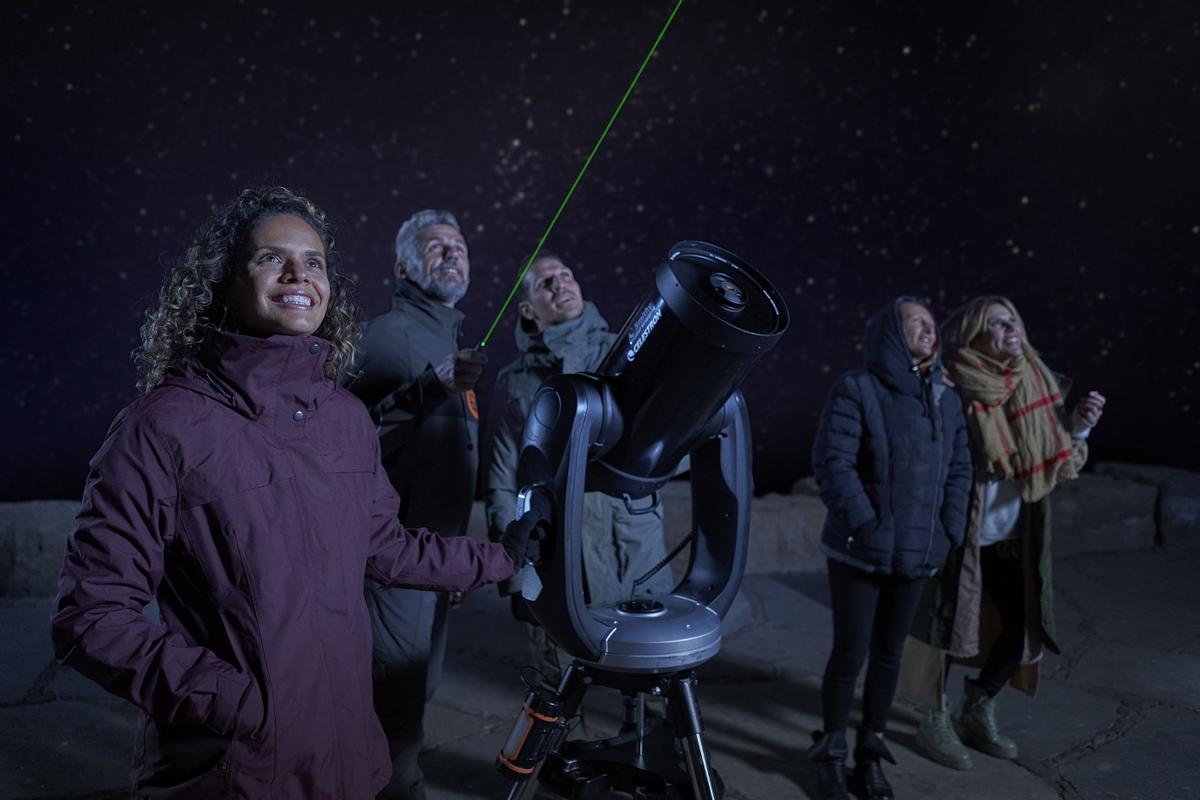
(243, 490)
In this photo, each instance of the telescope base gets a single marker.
(650, 759)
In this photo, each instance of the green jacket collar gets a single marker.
(567, 340)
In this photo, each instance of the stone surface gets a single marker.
(785, 534)
(1100, 598)
(1116, 717)
(32, 537)
(785, 530)
(806, 485)
(1148, 753)
(1079, 711)
(1099, 512)
(65, 749)
(1150, 474)
(1178, 502)
(1116, 714)
(26, 654)
(1115, 509)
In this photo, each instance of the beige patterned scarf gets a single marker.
(1014, 412)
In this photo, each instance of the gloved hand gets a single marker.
(522, 538)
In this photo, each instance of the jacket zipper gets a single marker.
(225, 770)
(937, 487)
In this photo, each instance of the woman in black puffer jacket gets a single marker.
(892, 462)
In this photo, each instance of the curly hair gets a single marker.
(193, 300)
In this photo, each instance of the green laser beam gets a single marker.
(583, 169)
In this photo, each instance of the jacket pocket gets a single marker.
(347, 459)
(241, 470)
(348, 476)
(219, 499)
(184, 760)
(863, 536)
(251, 712)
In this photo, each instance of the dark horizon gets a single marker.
(849, 154)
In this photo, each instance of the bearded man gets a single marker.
(418, 385)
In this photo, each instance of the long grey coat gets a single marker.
(951, 618)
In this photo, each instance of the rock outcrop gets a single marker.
(1116, 507)
(32, 539)
(1177, 502)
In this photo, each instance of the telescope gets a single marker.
(667, 389)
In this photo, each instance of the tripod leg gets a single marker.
(641, 723)
(572, 687)
(634, 720)
(522, 789)
(540, 730)
(685, 716)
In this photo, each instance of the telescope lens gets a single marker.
(727, 290)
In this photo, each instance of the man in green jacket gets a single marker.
(559, 332)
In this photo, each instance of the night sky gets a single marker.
(850, 151)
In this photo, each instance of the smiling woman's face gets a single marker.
(283, 286)
(1001, 337)
(920, 334)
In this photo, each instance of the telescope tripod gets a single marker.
(642, 761)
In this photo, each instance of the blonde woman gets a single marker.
(1023, 445)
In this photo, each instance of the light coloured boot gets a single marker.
(937, 741)
(977, 724)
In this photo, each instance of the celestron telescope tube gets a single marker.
(678, 357)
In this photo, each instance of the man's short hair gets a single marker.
(406, 237)
(527, 281)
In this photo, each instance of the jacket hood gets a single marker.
(255, 375)
(886, 353)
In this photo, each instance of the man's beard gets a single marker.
(442, 289)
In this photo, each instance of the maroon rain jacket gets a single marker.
(246, 494)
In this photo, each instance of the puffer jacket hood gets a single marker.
(888, 358)
(886, 352)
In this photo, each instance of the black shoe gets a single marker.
(869, 753)
(829, 754)
(869, 774)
